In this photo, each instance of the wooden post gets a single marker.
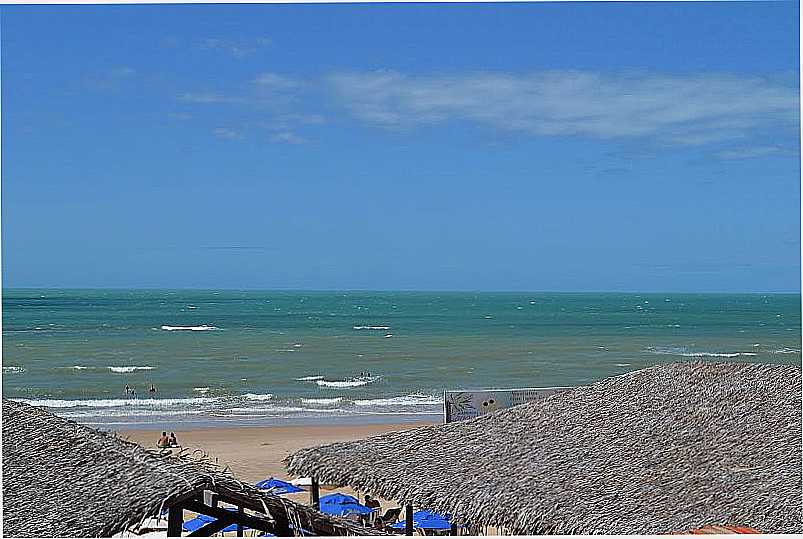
(239, 525)
(408, 519)
(315, 494)
(175, 518)
(453, 529)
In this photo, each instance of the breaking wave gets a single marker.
(378, 328)
(189, 328)
(116, 403)
(685, 352)
(407, 400)
(354, 382)
(13, 370)
(130, 369)
(258, 396)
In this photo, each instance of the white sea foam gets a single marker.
(786, 350)
(309, 378)
(324, 402)
(189, 328)
(389, 335)
(685, 352)
(127, 413)
(344, 383)
(201, 389)
(258, 396)
(407, 400)
(116, 403)
(13, 370)
(372, 327)
(270, 409)
(130, 369)
(623, 364)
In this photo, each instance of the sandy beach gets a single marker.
(255, 453)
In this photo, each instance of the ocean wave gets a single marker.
(130, 369)
(189, 328)
(379, 328)
(309, 378)
(623, 364)
(356, 382)
(407, 400)
(786, 350)
(201, 389)
(263, 409)
(113, 413)
(117, 403)
(13, 370)
(324, 402)
(258, 396)
(685, 352)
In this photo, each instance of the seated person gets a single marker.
(164, 441)
(172, 440)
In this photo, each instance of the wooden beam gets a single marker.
(239, 525)
(315, 494)
(175, 518)
(230, 517)
(453, 529)
(408, 519)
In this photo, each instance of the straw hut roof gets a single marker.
(666, 448)
(67, 480)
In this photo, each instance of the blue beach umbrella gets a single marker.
(277, 486)
(202, 520)
(339, 505)
(426, 520)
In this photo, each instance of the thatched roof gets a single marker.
(67, 480)
(666, 448)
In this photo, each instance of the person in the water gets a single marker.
(152, 389)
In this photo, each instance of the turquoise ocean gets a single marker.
(268, 357)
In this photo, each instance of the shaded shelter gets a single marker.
(63, 479)
(671, 447)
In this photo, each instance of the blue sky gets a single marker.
(569, 147)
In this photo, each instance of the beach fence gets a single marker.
(467, 404)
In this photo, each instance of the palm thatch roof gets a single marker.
(666, 448)
(66, 480)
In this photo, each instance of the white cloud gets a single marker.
(691, 109)
(227, 133)
(752, 152)
(274, 81)
(236, 48)
(287, 137)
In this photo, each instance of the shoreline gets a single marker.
(254, 453)
(210, 422)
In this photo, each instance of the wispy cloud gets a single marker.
(205, 97)
(237, 48)
(689, 110)
(287, 137)
(752, 152)
(227, 133)
(274, 81)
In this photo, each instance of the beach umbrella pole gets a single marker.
(408, 520)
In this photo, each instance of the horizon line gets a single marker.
(400, 290)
